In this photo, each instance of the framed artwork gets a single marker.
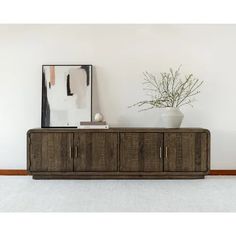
(66, 95)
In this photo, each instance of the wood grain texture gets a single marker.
(51, 152)
(120, 129)
(25, 172)
(141, 152)
(185, 152)
(96, 151)
(118, 153)
(126, 173)
(118, 177)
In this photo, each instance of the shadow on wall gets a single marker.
(95, 94)
(141, 119)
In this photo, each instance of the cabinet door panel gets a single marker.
(51, 152)
(185, 152)
(141, 152)
(96, 152)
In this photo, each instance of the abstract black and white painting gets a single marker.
(66, 95)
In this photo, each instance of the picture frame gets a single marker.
(66, 95)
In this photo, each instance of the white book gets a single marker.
(93, 127)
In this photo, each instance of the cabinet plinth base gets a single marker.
(94, 177)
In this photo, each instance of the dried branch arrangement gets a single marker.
(169, 90)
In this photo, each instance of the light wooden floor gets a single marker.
(22, 194)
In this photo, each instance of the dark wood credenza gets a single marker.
(118, 153)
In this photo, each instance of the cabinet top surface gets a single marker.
(120, 129)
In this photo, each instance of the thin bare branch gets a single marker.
(169, 90)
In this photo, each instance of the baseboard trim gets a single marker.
(222, 172)
(13, 172)
(25, 172)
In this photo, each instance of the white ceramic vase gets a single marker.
(171, 117)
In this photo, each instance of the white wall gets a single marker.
(120, 53)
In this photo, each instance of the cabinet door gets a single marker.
(185, 152)
(51, 152)
(141, 152)
(96, 152)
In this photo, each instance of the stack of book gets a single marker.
(93, 125)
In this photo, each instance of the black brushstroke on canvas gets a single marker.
(69, 93)
(86, 68)
(45, 119)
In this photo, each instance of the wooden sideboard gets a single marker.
(118, 153)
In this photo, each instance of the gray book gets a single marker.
(93, 123)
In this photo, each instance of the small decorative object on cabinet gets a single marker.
(172, 117)
(98, 117)
(118, 153)
(94, 125)
(170, 92)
